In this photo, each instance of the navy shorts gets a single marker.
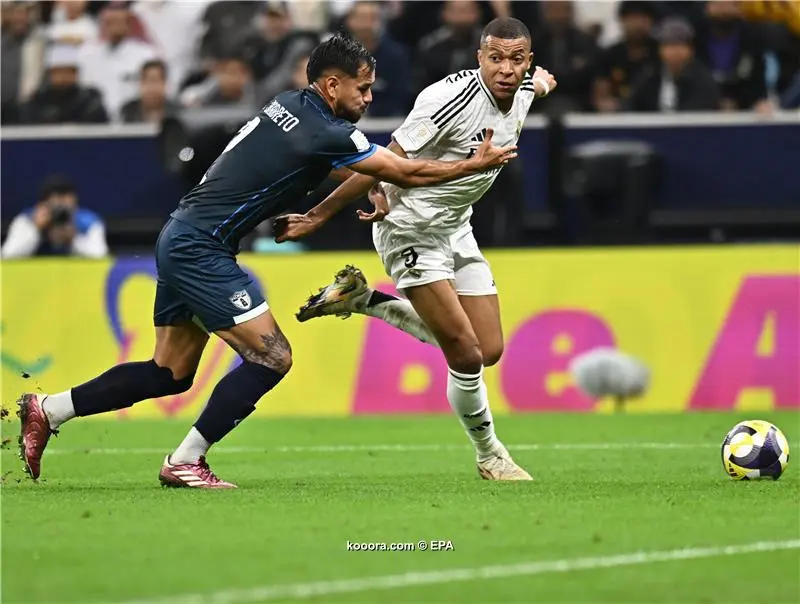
(199, 280)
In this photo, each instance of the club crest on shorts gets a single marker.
(241, 299)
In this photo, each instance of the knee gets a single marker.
(169, 384)
(281, 363)
(277, 360)
(273, 351)
(492, 355)
(463, 353)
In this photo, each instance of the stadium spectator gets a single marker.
(451, 48)
(780, 22)
(285, 79)
(226, 23)
(153, 104)
(623, 62)
(56, 225)
(391, 92)
(601, 20)
(23, 45)
(681, 83)
(61, 98)
(567, 52)
(161, 20)
(311, 15)
(277, 44)
(112, 65)
(72, 24)
(692, 11)
(230, 83)
(734, 52)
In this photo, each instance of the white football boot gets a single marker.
(501, 466)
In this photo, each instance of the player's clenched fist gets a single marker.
(543, 81)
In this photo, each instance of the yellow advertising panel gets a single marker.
(718, 326)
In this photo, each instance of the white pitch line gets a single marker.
(390, 448)
(298, 591)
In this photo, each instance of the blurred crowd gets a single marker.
(72, 61)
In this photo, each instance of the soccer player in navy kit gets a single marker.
(286, 150)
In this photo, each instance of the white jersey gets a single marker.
(448, 123)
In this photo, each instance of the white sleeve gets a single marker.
(433, 115)
(22, 239)
(92, 244)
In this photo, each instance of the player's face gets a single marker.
(352, 96)
(504, 64)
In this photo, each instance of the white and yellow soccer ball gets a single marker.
(755, 449)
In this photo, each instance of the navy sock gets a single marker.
(126, 384)
(378, 297)
(234, 398)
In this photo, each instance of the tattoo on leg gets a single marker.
(274, 354)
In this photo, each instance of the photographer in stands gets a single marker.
(56, 226)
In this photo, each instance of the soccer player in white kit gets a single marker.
(425, 239)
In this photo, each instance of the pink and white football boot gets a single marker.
(192, 475)
(34, 432)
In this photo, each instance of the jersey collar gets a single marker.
(316, 98)
(488, 93)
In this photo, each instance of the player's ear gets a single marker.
(331, 84)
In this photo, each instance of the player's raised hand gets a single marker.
(543, 81)
(292, 227)
(377, 198)
(488, 156)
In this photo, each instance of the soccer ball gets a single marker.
(755, 449)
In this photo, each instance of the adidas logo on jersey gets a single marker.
(478, 138)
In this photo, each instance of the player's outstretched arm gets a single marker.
(406, 173)
(292, 227)
(393, 167)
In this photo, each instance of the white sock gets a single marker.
(469, 399)
(193, 447)
(400, 314)
(58, 408)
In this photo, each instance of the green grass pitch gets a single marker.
(624, 508)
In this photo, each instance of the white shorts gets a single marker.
(418, 259)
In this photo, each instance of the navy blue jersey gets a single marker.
(275, 160)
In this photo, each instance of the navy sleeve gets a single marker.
(343, 144)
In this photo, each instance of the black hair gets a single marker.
(154, 63)
(505, 28)
(233, 53)
(637, 7)
(342, 52)
(56, 184)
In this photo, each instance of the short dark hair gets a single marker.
(637, 7)
(154, 64)
(342, 52)
(233, 53)
(505, 28)
(56, 184)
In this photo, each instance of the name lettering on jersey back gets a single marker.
(453, 78)
(283, 118)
